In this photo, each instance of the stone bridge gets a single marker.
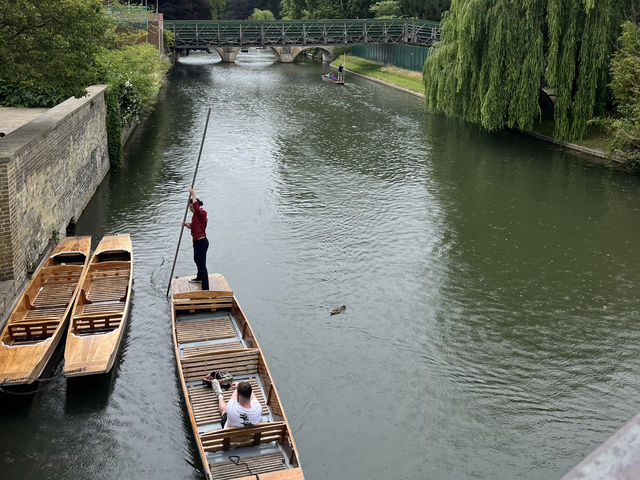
(288, 38)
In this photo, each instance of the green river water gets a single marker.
(491, 285)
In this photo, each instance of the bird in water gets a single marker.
(338, 310)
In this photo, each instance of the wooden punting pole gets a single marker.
(186, 210)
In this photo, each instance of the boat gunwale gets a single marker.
(185, 394)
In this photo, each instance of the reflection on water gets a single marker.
(491, 326)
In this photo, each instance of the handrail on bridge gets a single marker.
(195, 34)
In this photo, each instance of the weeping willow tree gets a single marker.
(496, 55)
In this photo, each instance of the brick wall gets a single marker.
(156, 30)
(49, 170)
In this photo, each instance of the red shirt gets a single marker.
(198, 222)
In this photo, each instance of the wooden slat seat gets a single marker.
(212, 304)
(32, 330)
(205, 403)
(110, 274)
(114, 265)
(59, 272)
(213, 347)
(237, 437)
(236, 362)
(209, 329)
(270, 462)
(95, 324)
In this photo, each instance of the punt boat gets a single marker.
(332, 78)
(211, 332)
(40, 317)
(99, 315)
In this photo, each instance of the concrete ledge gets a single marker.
(29, 133)
(12, 118)
(617, 459)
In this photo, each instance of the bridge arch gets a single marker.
(284, 54)
(288, 54)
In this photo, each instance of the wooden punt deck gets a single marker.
(39, 319)
(100, 312)
(211, 332)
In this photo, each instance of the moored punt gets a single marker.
(99, 315)
(38, 321)
(211, 332)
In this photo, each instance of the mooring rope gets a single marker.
(235, 459)
(46, 381)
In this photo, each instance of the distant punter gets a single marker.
(198, 227)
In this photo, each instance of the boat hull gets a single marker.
(211, 332)
(40, 318)
(327, 79)
(100, 314)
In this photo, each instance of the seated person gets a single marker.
(243, 409)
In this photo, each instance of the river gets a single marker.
(490, 280)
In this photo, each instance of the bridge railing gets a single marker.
(189, 34)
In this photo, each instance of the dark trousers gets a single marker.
(200, 248)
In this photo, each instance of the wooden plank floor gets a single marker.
(214, 347)
(205, 403)
(54, 294)
(102, 307)
(108, 288)
(33, 315)
(208, 329)
(260, 464)
(216, 283)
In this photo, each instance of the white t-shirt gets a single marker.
(238, 416)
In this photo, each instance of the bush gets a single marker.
(134, 74)
(24, 95)
(168, 40)
(340, 51)
(261, 15)
(625, 84)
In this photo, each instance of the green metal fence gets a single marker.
(409, 57)
(201, 34)
(129, 16)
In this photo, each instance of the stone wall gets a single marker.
(49, 170)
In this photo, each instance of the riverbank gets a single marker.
(594, 145)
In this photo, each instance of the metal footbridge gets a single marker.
(198, 35)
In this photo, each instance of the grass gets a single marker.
(396, 76)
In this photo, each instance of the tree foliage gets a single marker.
(625, 74)
(47, 47)
(185, 9)
(495, 55)
(218, 9)
(386, 9)
(424, 9)
(309, 9)
(261, 15)
(134, 74)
